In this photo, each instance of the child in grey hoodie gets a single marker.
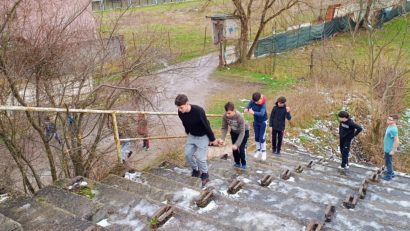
(239, 133)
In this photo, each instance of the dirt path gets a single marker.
(191, 78)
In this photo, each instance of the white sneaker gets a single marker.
(257, 154)
(347, 166)
(263, 155)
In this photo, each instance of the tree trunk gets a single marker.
(243, 43)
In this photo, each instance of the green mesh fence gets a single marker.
(302, 36)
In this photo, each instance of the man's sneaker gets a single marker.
(263, 158)
(236, 165)
(257, 154)
(386, 178)
(204, 178)
(204, 182)
(347, 166)
(244, 167)
(195, 173)
(341, 168)
(278, 153)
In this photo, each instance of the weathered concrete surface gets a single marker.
(35, 214)
(76, 204)
(7, 224)
(122, 204)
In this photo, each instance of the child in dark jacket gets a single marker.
(347, 131)
(280, 112)
(257, 108)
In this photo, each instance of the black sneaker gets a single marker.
(205, 179)
(204, 182)
(195, 173)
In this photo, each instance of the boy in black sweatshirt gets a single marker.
(347, 131)
(277, 123)
(200, 135)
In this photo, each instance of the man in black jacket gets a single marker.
(280, 112)
(347, 131)
(200, 135)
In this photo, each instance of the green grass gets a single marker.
(159, 7)
(87, 192)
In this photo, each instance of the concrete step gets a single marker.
(132, 211)
(235, 205)
(8, 224)
(80, 206)
(363, 169)
(230, 212)
(35, 214)
(295, 206)
(313, 188)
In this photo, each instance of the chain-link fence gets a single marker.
(307, 33)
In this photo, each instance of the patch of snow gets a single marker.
(185, 197)
(129, 215)
(259, 171)
(183, 171)
(104, 223)
(3, 197)
(226, 194)
(291, 179)
(215, 183)
(145, 208)
(83, 183)
(24, 207)
(244, 180)
(264, 221)
(200, 225)
(211, 206)
(136, 177)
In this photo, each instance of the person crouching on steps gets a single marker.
(347, 131)
(280, 112)
(200, 135)
(239, 134)
(257, 108)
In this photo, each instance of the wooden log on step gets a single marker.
(365, 183)
(285, 174)
(225, 156)
(310, 164)
(266, 180)
(329, 213)
(204, 199)
(362, 192)
(374, 178)
(299, 169)
(350, 201)
(235, 186)
(161, 216)
(314, 225)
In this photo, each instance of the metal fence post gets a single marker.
(116, 135)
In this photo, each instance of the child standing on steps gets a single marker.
(239, 134)
(280, 112)
(347, 131)
(142, 129)
(257, 108)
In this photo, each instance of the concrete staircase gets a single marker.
(298, 203)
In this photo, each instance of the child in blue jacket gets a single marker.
(257, 108)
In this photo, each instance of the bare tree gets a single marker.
(52, 57)
(267, 10)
